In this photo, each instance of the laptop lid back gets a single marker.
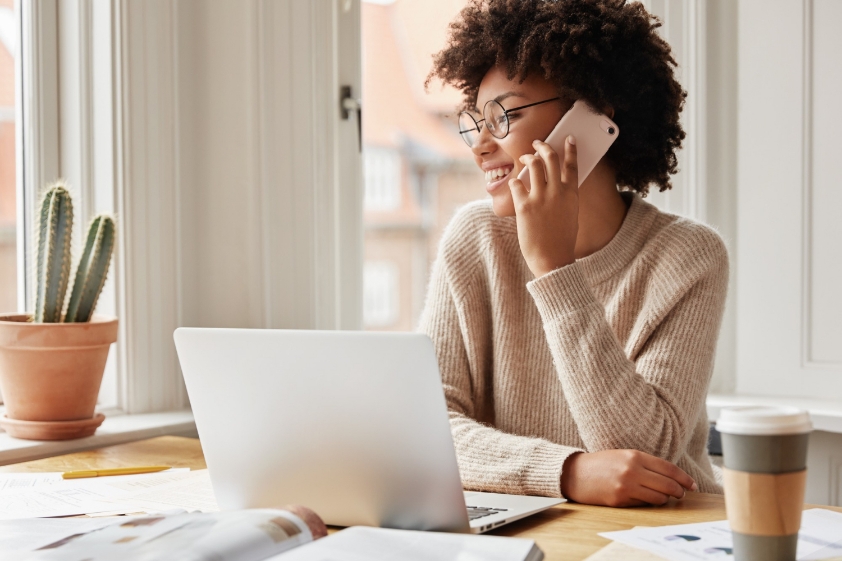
(351, 424)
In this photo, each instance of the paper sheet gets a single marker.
(360, 543)
(31, 497)
(192, 492)
(820, 538)
(16, 481)
(53, 501)
(31, 534)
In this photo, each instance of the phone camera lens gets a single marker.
(610, 130)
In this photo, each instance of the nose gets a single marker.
(484, 144)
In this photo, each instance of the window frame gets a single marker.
(124, 158)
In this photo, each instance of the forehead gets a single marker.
(495, 84)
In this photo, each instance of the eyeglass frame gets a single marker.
(505, 114)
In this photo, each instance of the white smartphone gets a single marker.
(594, 134)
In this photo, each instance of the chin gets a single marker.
(503, 205)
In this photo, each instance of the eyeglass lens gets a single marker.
(468, 128)
(494, 117)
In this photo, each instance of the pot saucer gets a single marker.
(51, 430)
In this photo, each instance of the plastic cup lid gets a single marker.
(763, 420)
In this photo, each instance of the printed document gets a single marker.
(820, 538)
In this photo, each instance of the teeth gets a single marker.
(494, 174)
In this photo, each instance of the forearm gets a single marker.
(494, 461)
(649, 404)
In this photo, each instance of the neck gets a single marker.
(601, 211)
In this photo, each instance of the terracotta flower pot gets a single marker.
(50, 375)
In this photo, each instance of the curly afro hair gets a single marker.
(604, 51)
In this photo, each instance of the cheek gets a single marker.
(515, 148)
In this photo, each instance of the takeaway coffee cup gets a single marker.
(764, 450)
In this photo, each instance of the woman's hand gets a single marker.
(623, 478)
(548, 213)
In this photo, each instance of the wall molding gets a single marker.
(784, 58)
(146, 104)
(806, 182)
(808, 198)
(835, 483)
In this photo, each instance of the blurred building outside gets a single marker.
(8, 212)
(417, 169)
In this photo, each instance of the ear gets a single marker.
(609, 112)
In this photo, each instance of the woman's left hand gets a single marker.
(548, 213)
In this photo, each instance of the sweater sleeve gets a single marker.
(489, 459)
(652, 403)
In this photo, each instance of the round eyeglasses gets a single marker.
(495, 117)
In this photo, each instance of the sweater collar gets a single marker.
(624, 246)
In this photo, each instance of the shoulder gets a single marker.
(473, 229)
(687, 248)
(475, 242)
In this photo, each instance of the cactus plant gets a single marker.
(53, 262)
(92, 270)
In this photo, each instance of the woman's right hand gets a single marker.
(623, 478)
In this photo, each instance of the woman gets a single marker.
(575, 328)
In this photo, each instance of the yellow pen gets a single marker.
(113, 471)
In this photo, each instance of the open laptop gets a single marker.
(351, 424)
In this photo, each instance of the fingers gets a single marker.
(662, 484)
(519, 192)
(650, 496)
(570, 167)
(537, 176)
(549, 158)
(670, 470)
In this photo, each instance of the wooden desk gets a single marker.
(565, 533)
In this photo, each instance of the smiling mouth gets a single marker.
(494, 175)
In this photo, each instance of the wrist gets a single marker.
(567, 474)
(546, 269)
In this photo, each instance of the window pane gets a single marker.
(418, 170)
(8, 262)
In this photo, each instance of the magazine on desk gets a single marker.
(288, 534)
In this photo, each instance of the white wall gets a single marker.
(789, 308)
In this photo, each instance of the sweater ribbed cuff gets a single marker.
(561, 292)
(543, 476)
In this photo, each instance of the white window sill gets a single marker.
(826, 414)
(116, 429)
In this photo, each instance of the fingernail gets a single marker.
(694, 487)
(571, 139)
(536, 142)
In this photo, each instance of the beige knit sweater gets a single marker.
(614, 351)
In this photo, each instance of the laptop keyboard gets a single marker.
(475, 512)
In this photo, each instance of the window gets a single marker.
(8, 198)
(380, 294)
(417, 169)
(382, 168)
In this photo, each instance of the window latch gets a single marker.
(349, 104)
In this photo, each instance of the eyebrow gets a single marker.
(501, 97)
